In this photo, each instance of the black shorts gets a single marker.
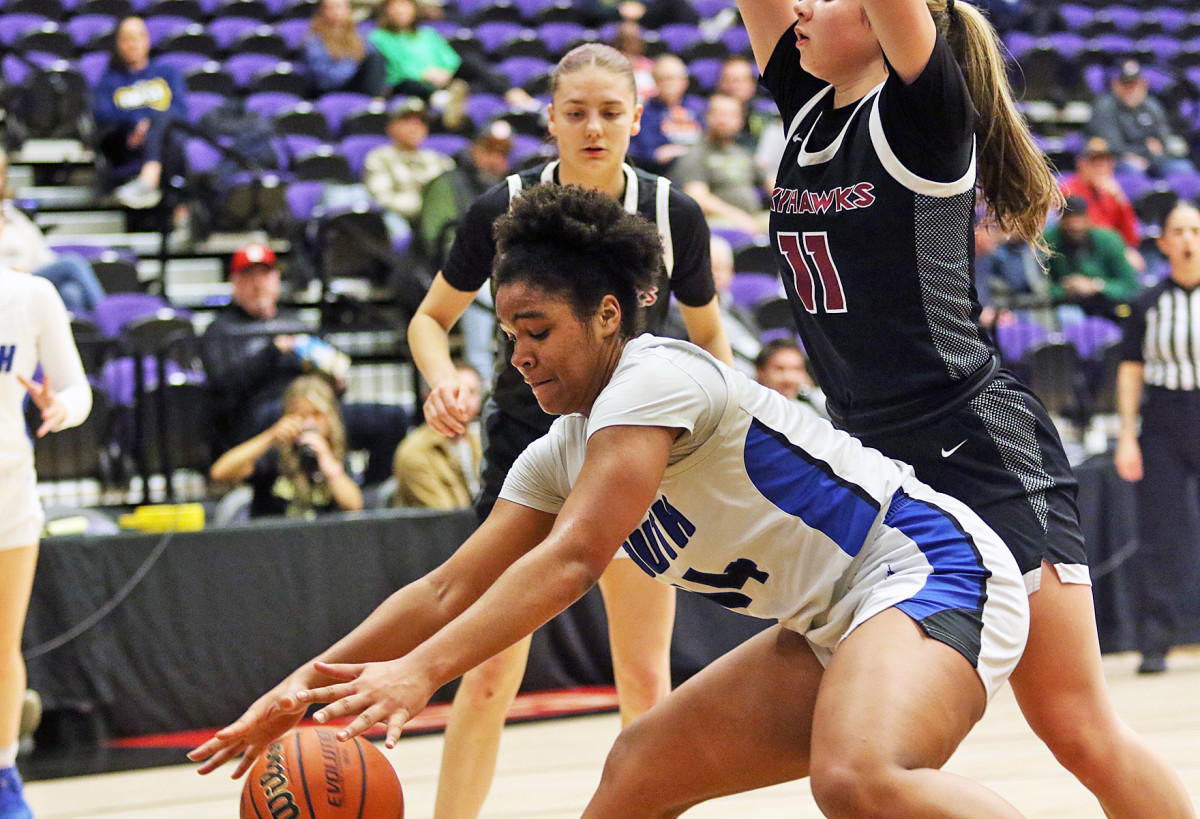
(505, 438)
(1000, 454)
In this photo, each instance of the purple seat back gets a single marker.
(269, 103)
(524, 146)
(1014, 338)
(706, 71)
(225, 30)
(293, 32)
(558, 34)
(13, 26)
(495, 33)
(679, 36)
(245, 67)
(483, 108)
(92, 65)
(521, 70)
(161, 27)
(447, 144)
(302, 198)
(338, 105)
(356, 147)
(202, 156)
(750, 289)
(117, 309)
(1091, 334)
(84, 27)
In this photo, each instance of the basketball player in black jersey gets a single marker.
(593, 115)
(897, 112)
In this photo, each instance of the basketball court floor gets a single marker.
(548, 768)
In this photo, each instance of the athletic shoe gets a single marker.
(138, 195)
(1154, 662)
(12, 796)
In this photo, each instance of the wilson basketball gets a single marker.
(309, 774)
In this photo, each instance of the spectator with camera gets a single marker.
(253, 350)
(296, 466)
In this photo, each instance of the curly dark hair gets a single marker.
(581, 245)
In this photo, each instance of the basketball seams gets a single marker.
(303, 776)
(362, 765)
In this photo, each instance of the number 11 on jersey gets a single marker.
(809, 258)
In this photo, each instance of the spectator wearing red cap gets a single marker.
(253, 349)
(1095, 182)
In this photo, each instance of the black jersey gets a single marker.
(1163, 333)
(686, 274)
(872, 217)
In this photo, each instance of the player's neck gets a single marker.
(608, 180)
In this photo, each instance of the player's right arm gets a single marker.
(402, 622)
(429, 341)
(765, 22)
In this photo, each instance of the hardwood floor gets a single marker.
(548, 769)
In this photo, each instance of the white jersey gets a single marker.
(34, 329)
(769, 510)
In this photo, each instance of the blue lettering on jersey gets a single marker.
(847, 197)
(650, 545)
(808, 488)
(8, 354)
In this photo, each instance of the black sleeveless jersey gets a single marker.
(872, 218)
(686, 274)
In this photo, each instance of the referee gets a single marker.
(1161, 350)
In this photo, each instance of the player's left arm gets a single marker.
(906, 33)
(620, 477)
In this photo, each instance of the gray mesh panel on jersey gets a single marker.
(1012, 426)
(943, 266)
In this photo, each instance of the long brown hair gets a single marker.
(308, 495)
(1015, 178)
(341, 40)
(384, 20)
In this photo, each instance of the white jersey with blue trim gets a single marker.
(767, 509)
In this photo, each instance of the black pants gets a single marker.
(1167, 533)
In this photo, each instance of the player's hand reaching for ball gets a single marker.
(270, 717)
(445, 409)
(385, 692)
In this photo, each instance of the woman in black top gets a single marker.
(897, 111)
(593, 114)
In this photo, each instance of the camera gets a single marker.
(310, 465)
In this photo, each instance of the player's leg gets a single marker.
(741, 723)
(471, 743)
(17, 567)
(641, 614)
(1060, 687)
(893, 706)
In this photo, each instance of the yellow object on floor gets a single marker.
(165, 517)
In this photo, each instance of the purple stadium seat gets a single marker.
(1075, 16)
(1091, 334)
(226, 30)
(482, 108)
(269, 103)
(12, 26)
(710, 8)
(1134, 183)
(1124, 17)
(1017, 336)
(16, 72)
(184, 61)
(293, 32)
(303, 198)
(200, 103)
(706, 71)
(750, 289)
(521, 70)
(1186, 184)
(92, 65)
(1018, 42)
(355, 148)
(293, 146)
(83, 28)
(525, 146)
(679, 36)
(736, 39)
(1069, 44)
(446, 28)
(448, 144)
(338, 105)
(201, 156)
(161, 27)
(736, 238)
(117, 309)
(492, 35)
(1162, 46)
(245, 67)
(469, 8)
(1171, 19)
(559, 34)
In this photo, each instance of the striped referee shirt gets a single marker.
(1163, 333)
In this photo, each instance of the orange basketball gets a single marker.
(309, 774)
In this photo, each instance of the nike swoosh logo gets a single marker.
(946, 453)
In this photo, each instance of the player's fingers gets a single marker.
(342, 706)
(395, 727)
(328, 693)
(339, 671)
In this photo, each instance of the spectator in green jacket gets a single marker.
(1088, 266)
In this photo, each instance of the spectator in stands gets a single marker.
(651, 14)
(440, 472)
(781, 366)
(396, 174)
(1088, 266)
(631, 42)
(1159, 384)
(720, 174)
(446, 200)
(1095, 181)
(1134, 124)
(1008, 275)
(740, 327)
(669, 128)
(739, 79)
(23, 248)
(420, 61)
(337, 57)
(297, 465)
(252, 350)
(134, 102)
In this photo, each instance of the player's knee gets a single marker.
(490, 684)
(1086, 747)
(641, 687)
(631, 779)
(846, 789)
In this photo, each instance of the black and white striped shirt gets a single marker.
(1164, 334)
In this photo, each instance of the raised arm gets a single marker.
(765, 21)
(906, 32)
(606, 503)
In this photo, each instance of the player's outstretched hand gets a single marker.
(54, 411)
(371, 692)
(270, 717)
(445, 411)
